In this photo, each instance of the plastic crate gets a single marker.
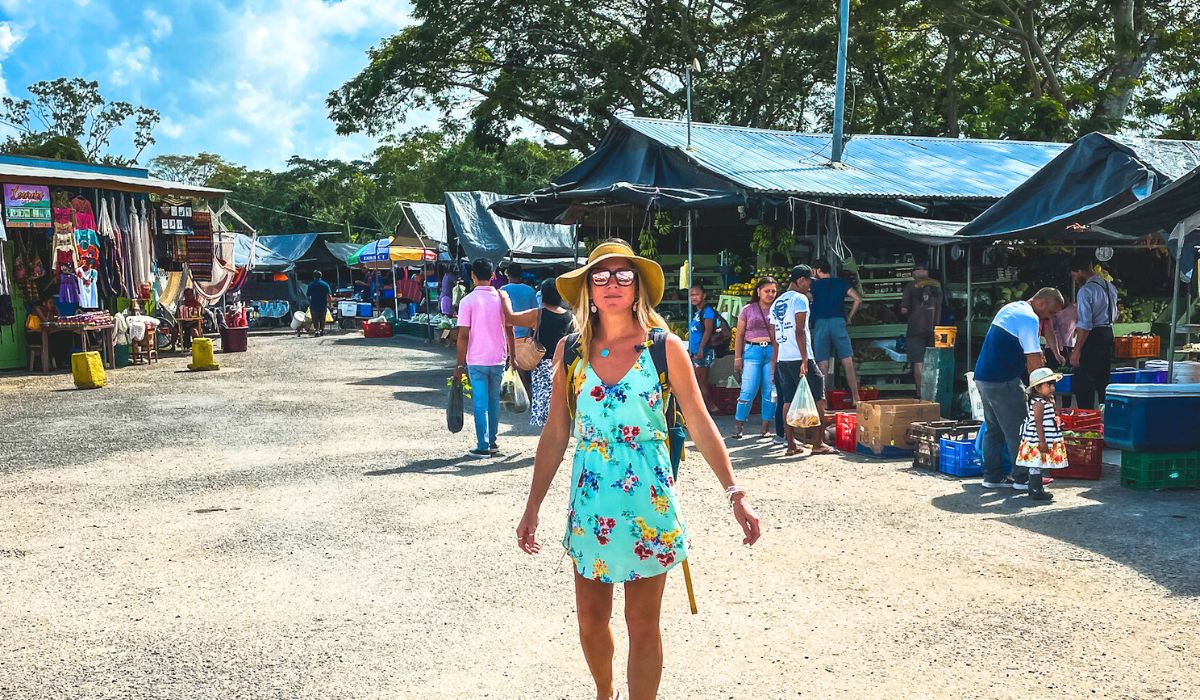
(1147, 471)
(726, 398)
(1124, 375)
(1006, 459)
(846, 435)
(927, 438)
(868, 394)
(1152, 376)
(1133, 347)
(377, 330)
(1064, 385)
(838, 400)
(1081, 420)
(1085, 459)
(959, 458)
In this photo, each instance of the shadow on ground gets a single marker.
(1156, 533)
(460, 465)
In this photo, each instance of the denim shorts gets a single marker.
(830, 339)
(709, 357)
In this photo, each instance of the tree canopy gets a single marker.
(1037, 69)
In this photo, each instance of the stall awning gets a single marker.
(1098, 175)
(33, 171)
(933, 232)
(265, 259)
(1158, 213)
(649, 163)
(383, 253)
(483, 234)
(431, 218)
(342, 251)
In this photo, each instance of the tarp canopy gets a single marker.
(430, 218)
(265, 259)
(483, 234)
(342, 251)
(649, 163)
(1158, 213)
(285, 252)
(933, 232)
(1098, 175)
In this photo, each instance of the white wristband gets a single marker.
(733, 491)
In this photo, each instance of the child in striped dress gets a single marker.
(1042, 443)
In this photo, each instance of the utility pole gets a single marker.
(687, 79)
(839, 97)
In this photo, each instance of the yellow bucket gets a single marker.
(944, 336)
(87, 369)
(202, 355)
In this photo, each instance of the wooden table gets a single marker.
(82, 331)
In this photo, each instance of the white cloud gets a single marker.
(237, 136)
(170, 128)
(129, 63)
(160, 25)
(10, 36)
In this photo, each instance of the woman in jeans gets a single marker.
(752, 355)
(553, 323)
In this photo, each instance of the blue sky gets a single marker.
(246, 79)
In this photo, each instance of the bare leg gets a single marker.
(643, 603)
(917, 367)
(789, 433)
(593, 601)
(702, 380)
(818, 443)
(851, 378)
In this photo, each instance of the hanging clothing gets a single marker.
(89, 297)
(68, 288)
(200, 246)
(84, 216)
(87, 244)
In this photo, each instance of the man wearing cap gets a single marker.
(922, 304)
(1096, 306)
(829, 319)
(793, 357)
(1011, 349)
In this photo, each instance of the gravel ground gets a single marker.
(300, 525)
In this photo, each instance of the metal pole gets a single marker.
(970, 308)
(395, 292)
(839, 99)
(690, 265)
(1179, 231)
(687, 78)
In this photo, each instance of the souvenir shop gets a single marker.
(81, 243)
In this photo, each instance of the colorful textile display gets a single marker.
(200, 246)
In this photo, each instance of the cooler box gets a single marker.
(365, 310)
(1152, 417)
(348, 309)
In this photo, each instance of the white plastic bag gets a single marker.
(512, 392)
(803, 411)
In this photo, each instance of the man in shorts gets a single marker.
(922, 304)
(829, 319)
(793, 355)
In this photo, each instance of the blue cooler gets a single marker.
(1152, 417)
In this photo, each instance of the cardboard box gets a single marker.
(883, 424)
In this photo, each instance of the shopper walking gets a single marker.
(794, 361)
(318, 294)
(1011, 349)
(700, 339)
(831, 340)
(753, 357)
(553, 323)
(623, 523)
(523, 298)
(1096, 303)
(483, 342)
(922, 304)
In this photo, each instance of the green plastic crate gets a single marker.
(1148, 471)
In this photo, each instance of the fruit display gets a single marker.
(745, 289)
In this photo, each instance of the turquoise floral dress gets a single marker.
(623, 522)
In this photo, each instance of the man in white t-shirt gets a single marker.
(794, 358)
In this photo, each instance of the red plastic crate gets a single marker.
(377, 330)
(868, 394)
(838, 400)
(725, 399)
(1132, 347)
(1085, 457)
(847, 432)
(1081, 420)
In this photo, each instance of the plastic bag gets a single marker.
(512, 392)
(803, 411)
(454, 406)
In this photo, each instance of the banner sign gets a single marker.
(175, 216)
(27, 206)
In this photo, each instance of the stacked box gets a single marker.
(883, 425)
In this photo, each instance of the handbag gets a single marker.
(527, 351)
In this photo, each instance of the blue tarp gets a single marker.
(282, 253)
(265, 259)
(483, 234)
(1097, 175)
(1161, 213)
(648, 163)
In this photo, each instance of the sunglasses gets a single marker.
(625, 278)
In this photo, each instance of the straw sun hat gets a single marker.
(650, 275)
(1041, 375)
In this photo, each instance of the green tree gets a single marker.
(63, 111)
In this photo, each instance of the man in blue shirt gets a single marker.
(829, 336)
(318, 302)
(700, 333)
(1096, 306)
(523, 298)
(1011, 350)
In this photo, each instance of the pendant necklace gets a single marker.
(604, 352)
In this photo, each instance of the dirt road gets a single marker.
(300, 524)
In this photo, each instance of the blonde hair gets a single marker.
(647, 316)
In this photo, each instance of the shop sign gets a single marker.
(27, 206)
(175, 216)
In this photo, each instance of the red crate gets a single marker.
(1132, 347)
(377, 330)
(725, 399)
(1085, 457)
(1081, 420)
(868, 394)
(847, 432)
(838, 400)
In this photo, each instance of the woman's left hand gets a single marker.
(744, 514)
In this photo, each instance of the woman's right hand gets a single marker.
(737, 365)
(527, 531)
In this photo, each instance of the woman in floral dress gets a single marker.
(623, 521)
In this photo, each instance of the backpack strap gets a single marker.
(570, 363)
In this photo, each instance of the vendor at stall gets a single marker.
(831, 340)
(1011, 349)
(1096, 303)
(922, 304)
(318, 294)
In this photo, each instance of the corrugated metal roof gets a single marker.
(874, 166)
(102, 178)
